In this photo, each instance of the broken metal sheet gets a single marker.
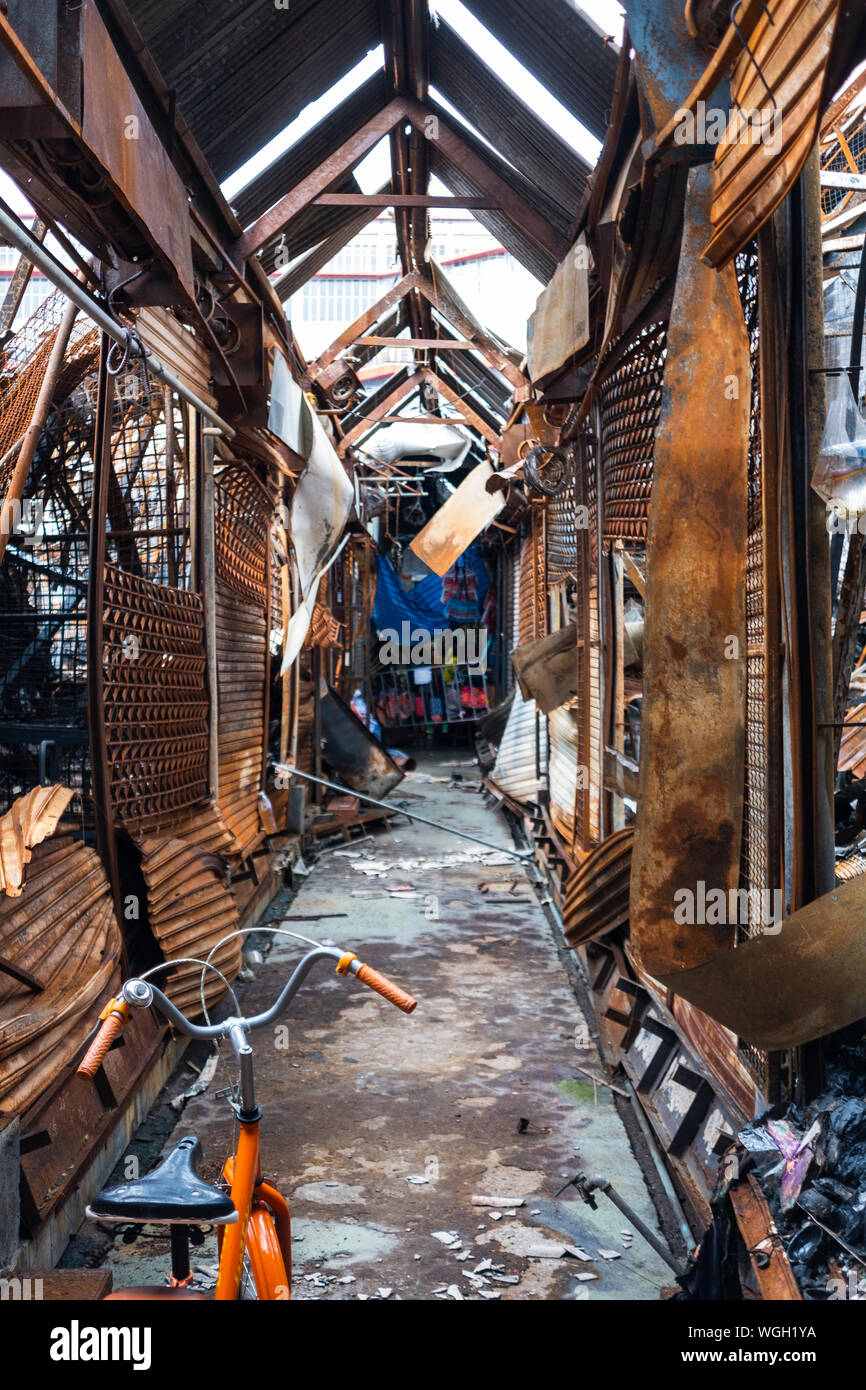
(458, 521)
(546, 669)
(689, 825)
(773, 1274)
(361, 761)
(290, 416)
(564, 773)
(29, 820)
(321, 506)
(447, 443)
(804, 981)
(177, 349)
(297, 628)
(559, 325)
(668, 59)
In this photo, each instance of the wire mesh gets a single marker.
(630, 408)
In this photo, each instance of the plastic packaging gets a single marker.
(840, 473)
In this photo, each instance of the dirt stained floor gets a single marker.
(380, 1128)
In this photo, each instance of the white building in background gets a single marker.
(495, 286)
(38, 288)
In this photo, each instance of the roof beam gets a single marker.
(277, 218)
(419, 344)
(377, 416)
(400, 200)
(481, 173)
(365, 321)
(448, 303)
(471, 416)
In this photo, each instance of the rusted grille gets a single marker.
(539, 571)
(23, 361)
(43, 580)
(630, 407)
(754, 868)
(243, 516)
(148, 488)
(756, 860)
(834, 156)
(561, 530)
(155, 701)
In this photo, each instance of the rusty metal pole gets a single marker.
(100, 771)
(33, 433)
(207, 589)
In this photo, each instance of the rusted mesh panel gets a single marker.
(844, 153)
(22, 364)
(155, 700)
(539, 570)
(561, 530)
(359, 593)
(630, 406)
(43, 580)
(756, 871)
(244, 512)
(148, 489)
(23, 361)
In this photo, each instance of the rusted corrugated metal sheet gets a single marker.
(563, 770)
(62, 931)
(852, 750)
(562, 47)
(512, 128)
(522, 756)
(29, 820)
(596, 894)
(189, 910)
(719, 1048)
(308, 153)
(791, 45)
(245, 72)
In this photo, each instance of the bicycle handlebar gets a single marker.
(141, 994)
(115, 1014)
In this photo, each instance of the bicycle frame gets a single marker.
(263, 1231)
(263, 1228)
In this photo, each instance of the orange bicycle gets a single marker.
(252, 1217)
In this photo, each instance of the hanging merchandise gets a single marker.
(840, 473)
(460, 595)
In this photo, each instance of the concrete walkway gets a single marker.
(381, 1128)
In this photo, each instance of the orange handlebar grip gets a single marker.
(393, 993)
(101, 1045)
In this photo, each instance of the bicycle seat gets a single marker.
(173, 1192)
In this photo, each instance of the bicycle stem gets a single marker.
(141, 994)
